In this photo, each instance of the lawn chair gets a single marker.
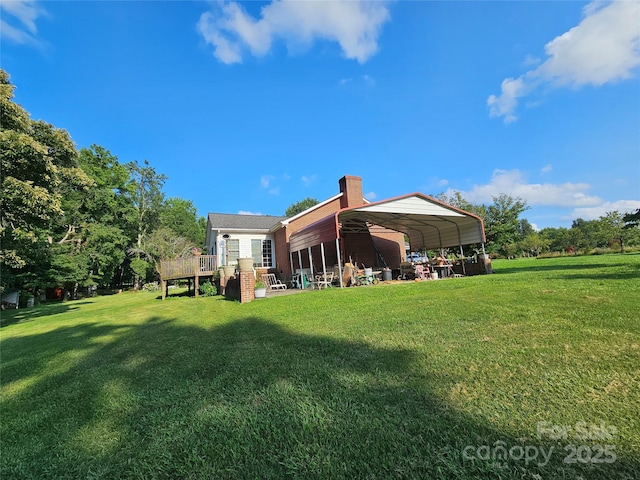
(272, 282)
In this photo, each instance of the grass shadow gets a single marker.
(21, 315)
(244, 399)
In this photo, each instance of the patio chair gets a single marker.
(272, 282)
(420, 272)
(324, 280)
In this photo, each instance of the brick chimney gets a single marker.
(351, 188)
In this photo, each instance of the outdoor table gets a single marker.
(443, 270)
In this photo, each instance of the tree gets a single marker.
(301, 206)
(525, 228)
(534, 243)
(145, 190)
(458, 201)
(501, 222)
(181, 217)
(632, 220)
(558, 239)
(162, 244)
(38, 164)
(585, 234)
(613, 228)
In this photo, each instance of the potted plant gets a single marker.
(229, 270)
(259, 289)
(245, 264)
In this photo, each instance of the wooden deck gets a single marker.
(187, 267)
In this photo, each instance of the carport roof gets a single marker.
(429, 223)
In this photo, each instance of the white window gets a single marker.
(262, 253)
(267, 254)
(233, 251)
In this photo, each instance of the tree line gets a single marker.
(81, 218)
(509, 235)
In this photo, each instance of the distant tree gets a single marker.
(534, 243)
(525, 228)
(457, 200)
(585, 234)
(301, 206)
(502, 222)
(632, 219)
(613, 228)
(558, 239)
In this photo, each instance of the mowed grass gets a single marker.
(418, 380)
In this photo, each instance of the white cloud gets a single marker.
(309, 180)
(592, 213)
(246, 212)
(513, 183)
(18, 22)
(603, 48)
(355, 26)
(546, 169)
(370, 196)
(265, 180)
(443, 182)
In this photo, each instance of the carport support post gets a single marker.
(464, 272)
(484, 255)
(339, 261)
(300, 265)
(310, 261)
(324, 263)
(291, 263)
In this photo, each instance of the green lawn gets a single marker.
(419, 380)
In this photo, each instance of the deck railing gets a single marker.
(198, 265)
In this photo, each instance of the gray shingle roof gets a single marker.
(244, 222)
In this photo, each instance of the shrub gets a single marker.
(208, 289)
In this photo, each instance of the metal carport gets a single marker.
(428, 223)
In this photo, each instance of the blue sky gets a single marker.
(250, 107)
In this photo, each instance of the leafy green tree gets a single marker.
(632, 219)
(301, 206)
(525, 228)
(145, 191)
(502, 222)
(162, 244)
(458, 201)
(558, 239)
(534, 243)
(39, 165)
(585, 234)
(181, 217)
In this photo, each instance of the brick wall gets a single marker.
(247, 284)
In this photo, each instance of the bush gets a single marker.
(151, 287)
(208, 289)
